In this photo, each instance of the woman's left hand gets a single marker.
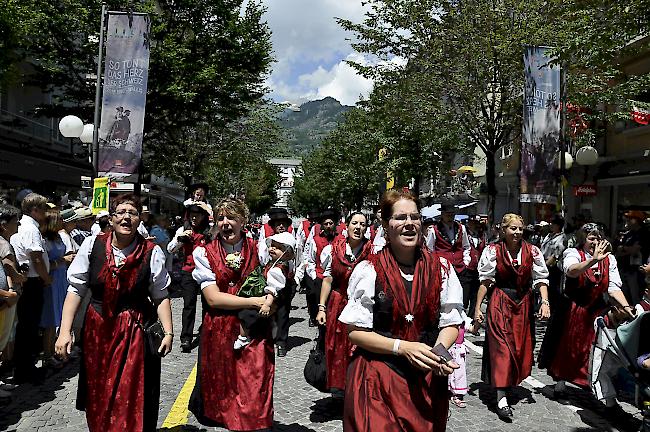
(544, 312)
(166, 345)
(442, 368)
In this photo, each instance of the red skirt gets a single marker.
(234, 389)
(571, 360)
(378, 399)
(338, 348)
(119, 385)
(509, 340)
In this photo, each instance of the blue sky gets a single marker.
(311, 49)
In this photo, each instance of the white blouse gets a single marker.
(78, 270)
(326, 256)
(487, 265)
(361, 294)
(572, 257)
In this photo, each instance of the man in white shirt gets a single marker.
(30, 251)
(85, 220)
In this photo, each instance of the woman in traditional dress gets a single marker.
(404, 306)
(591, 277)
(234, 388)
(509, 270)
(119, 380)
(338, 260)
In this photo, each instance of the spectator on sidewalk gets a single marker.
(632, 253)
(85, 221)
(101, 223)
(69, 217)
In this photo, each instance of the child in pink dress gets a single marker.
(458, 379)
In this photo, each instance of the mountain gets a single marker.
(307, 127)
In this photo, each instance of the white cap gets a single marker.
(102, 214)
(284, 238)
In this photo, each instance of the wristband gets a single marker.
(169, 334)
(396, 346)
(546, 302)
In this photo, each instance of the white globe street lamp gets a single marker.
(71, 126)
(587, 155)
(568, 161)
(86, 136)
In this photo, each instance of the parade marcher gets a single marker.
(403, 313)
(29, 245)
(119, 379)
(302, 235)
(187, 239)
(477, 243)
(632, 253)
(591, 275)
(449, 239)
(552, 247)
(234, 389)
(279, 222)
(197, 192)
(324, 234)
(101, 223)
(338, 261)
(509, 270)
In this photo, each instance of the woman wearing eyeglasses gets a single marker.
(509, 270)
(403, 311)
(119, 380)
(591, 272)
(234, 389)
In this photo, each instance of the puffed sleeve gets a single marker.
(361, 293)
(540, 271)
(430, 239)
(570, 257)
(467, 250)
(78, 270)
(326, 260)
(202, 273)
(160, 279)
(275, 281)
(451, 296)
(615, 282)
(487, 265)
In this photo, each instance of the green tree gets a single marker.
(17, 22)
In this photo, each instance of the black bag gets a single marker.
(154, 335)
(315, 371)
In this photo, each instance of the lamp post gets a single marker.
(72, 126)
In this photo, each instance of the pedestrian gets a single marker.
(591, 278)
(69, 217)
(187, 238)
(29, 245)
(233, 390)
(160, 232)
(119, 378)
(404, 308)
(509, 271)
(477, 243)
(632, 253)
(101, 223)
(338, 261)
(84, 222)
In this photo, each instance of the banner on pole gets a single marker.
(100, 194)
(540, 143)
(126, 71)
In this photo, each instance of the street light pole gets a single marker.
(98, 94)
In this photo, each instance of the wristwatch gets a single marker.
(546, 302)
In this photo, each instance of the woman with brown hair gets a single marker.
(234, 389)
(119, 379)
(403, 311)
(509, 270)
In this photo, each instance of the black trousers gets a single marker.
(282, 315)
(190, 289)
(313, 295)
(28, 342)
(469, 281)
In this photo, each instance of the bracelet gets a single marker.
(396, 346)
(169, 334)
(546, 302)
(321, 305)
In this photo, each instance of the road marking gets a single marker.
(179, 413)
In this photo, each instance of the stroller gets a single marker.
(613, 349)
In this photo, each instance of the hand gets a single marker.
(63, 345)
(69, 258)
(478, 315)
(166, 345)
(544, 312)
(265, 310)
(600, 251)
(13, 299)
(645, 268)
(19, 278)
(629, 312)
(475, 328)
(257, 302)
(321, 317)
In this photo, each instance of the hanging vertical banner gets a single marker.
(125, 93)
(540, 143)
(100, 194)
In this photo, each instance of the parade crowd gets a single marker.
(392, 294)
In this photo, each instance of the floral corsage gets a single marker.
(233, 260)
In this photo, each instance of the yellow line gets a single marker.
(178, 414)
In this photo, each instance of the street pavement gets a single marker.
(300, 408)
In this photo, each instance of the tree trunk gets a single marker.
(490, 179)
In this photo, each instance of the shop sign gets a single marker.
(585, 190)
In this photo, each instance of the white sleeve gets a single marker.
(615, 282)
(430, 240)
(467, 251)
(326, 261)
(379, 242)
(451, 296)
(308, 252)
(143, 230)
(202, 273)
(487, 265)
(174, 244)
(540, 271)
(361, 293)
(570, 257)
(95, 229)
(262, 250)
(275, 281)
(78, 270)
(34, 241)
(160, 279)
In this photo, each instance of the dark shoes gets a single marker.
(312, 322)
(186, 346)
(505, 413)
(282, 351)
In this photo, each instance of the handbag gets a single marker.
(153, 335)
(315, 371)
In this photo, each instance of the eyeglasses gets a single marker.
(403, 217)
(120, 214)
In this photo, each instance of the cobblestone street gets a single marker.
(298, 407)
